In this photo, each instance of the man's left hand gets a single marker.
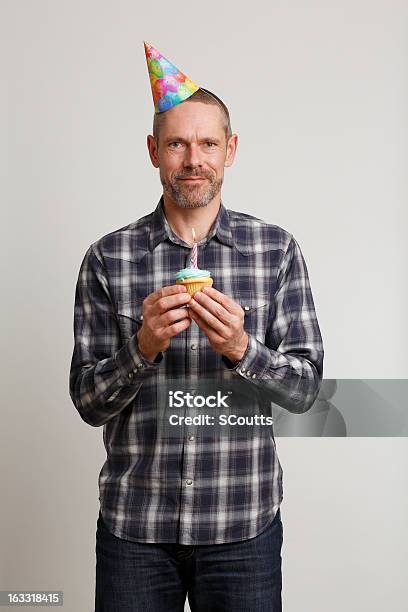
(222, 321)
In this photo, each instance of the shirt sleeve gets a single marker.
(105, 374)
(288, 368)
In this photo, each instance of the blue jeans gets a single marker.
(232, 577)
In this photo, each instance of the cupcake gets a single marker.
(194, 279)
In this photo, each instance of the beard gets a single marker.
(190, 195)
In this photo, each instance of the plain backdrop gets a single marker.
(318, 95)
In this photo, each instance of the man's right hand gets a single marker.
(162, 319)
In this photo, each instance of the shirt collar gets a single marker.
(160, 229)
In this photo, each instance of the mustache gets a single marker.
(195, 175)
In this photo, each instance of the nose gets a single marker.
(192, 157)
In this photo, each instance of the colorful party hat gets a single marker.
(169, 85)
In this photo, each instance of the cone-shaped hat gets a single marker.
(169, 85)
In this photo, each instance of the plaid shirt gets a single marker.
(191, 490)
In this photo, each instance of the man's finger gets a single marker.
(164, 304)
(210, 320)
(176, 328)
(172, 315)
(164, 292)
(215, 308)
(209, 331)
(228, 303)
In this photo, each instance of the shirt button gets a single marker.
(130, 375)
(191, 438)
(253, 375)
(141, 317)
(242, 370)
(140, 366)
(189, 481)
(248, 373)
(193, 347)
(246, 308)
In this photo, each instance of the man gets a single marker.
(191, 515)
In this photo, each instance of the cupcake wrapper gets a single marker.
(193, 286)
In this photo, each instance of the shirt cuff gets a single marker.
(133, 366)
(254, 361)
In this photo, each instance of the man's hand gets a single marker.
(162, 319)
(222, 321)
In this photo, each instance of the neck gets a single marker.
(181, 220)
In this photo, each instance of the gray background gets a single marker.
(318, 95)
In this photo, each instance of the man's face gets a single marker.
(192, 153)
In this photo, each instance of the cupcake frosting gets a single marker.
(192, 273)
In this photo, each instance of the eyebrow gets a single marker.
(179, 139)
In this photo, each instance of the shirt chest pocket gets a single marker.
(256, 312)
(130, 317)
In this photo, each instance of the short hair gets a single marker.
(201, 95)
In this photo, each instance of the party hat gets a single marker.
(169, 85)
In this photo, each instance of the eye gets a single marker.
(210, 144)
(173, 144)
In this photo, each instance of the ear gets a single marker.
(152, 147)
(232, 145)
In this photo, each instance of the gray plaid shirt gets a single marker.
(191, 488)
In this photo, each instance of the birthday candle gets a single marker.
(194, 251)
